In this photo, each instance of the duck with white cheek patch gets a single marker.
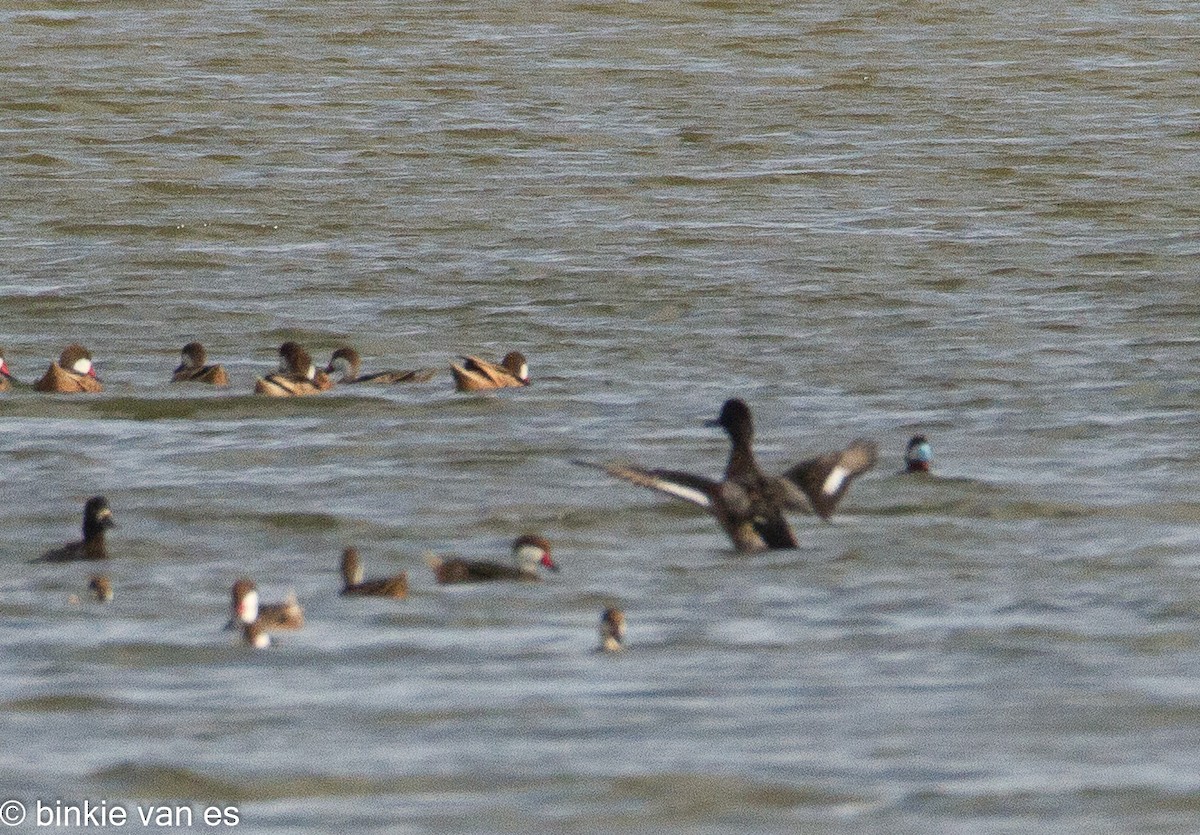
(74, 372)
(530, 552)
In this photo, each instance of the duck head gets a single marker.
(918, 457)
(78, 359)
(531, 551)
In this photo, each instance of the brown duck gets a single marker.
(192, 368)
(475, 374)
(354, 584)
(529, 551)
(296, 377)
(74, 372)
(270, 616)
(347, 362)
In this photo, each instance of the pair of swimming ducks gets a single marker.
(297, 376)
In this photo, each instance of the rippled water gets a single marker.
(974, 221)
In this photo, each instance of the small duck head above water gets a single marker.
(612, 630)
(101, 588)
(3, 365)
(918, 457)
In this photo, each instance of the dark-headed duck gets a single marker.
(97, 518)
(347, 362)
(354, 584)
(296, 377)
(612, 630)
(73, 372)
(748, 503)
(529, 551)
(271, 616)
(475, 374)
(192, 368)
(918, 457)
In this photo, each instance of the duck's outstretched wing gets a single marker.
(694, 489)
(825, 479)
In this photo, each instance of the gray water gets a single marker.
(976, 221)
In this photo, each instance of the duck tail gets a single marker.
(433, 560)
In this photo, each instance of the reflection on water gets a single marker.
(972, 223)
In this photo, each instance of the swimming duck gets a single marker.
(297, 376)
(6, 379)
(747, 502)
(529, 552)
(72, 373)
(612, 630)
(477, 374)
(270, 616)
(353, 583)
(346, 361)
(193, 370)
(918, 457)
(101, 588)
(97, 518)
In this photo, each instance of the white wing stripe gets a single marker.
(833, 482)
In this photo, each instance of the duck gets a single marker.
(97, 518)
(612, 630)
(748, 503)
(74, 372)
(918, 456)
(530, 551)
(101, 588)
(192, 368)
(354, 584)
(475, 374)
(347, 362)
(6, 379)
(296, 377)
(270, 616)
